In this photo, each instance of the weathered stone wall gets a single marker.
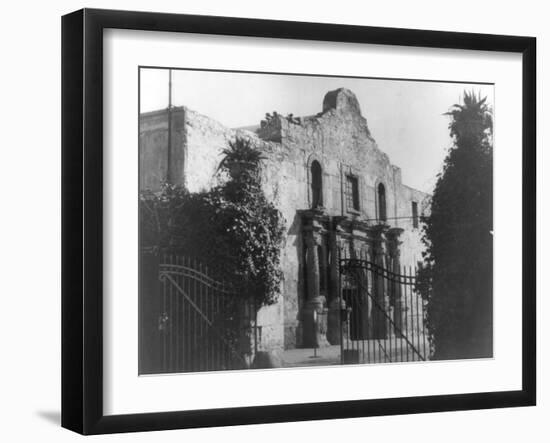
(412, 247)
(338, 138)
(153, 148)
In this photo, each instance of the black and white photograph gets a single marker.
(290, 221)
(275, 222)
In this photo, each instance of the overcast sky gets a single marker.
(405, 117)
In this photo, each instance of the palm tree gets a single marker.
(456, 279)
(241, 151)
(471, 122)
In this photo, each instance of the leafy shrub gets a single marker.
(232, 228)
(456, 277)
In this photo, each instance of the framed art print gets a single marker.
(273, 221)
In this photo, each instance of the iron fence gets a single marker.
(382, 316)
(204, 323)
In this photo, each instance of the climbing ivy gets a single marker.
(232, 228)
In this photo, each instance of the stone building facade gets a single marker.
(338, 193)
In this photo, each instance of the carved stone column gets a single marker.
(334, 295)
(382, 309)
(313, 240)
(314, 335)
(396, 299)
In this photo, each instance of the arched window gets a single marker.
(382, 203)
(316, 184)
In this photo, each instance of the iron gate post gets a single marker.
(149, 358)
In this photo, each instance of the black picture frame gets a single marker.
(82, 215)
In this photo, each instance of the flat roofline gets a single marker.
(161, 111)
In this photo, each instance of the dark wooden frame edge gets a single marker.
(82, 237)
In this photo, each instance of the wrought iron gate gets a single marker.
(202, 321)
(383, 317)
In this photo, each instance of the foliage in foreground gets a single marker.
(232, 228)
(456, 279)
